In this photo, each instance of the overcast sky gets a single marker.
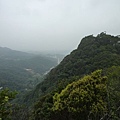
(55, 24)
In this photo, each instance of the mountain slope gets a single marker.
(100, 52)
(22, 71)
(7, 53)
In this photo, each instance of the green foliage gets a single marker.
(81, 99)
(113, 89)
(5, 106)
(42, 109)
(92, 97)
(20, 112)
(84, 98)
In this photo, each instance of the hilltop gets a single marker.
(100, 52)
(76, 89)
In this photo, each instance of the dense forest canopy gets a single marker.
(93, 97)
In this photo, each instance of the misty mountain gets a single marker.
(69, 93)
(39, 63)
(7, 53)
(100, 52)
(22, 71)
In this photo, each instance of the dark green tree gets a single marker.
(113, 90)
(5, 106)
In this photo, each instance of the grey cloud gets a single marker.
(55, 24)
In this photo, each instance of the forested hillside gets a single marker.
(100, 52)
(23, 71)
(92, 97)
(66, 94)
(84, 86)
